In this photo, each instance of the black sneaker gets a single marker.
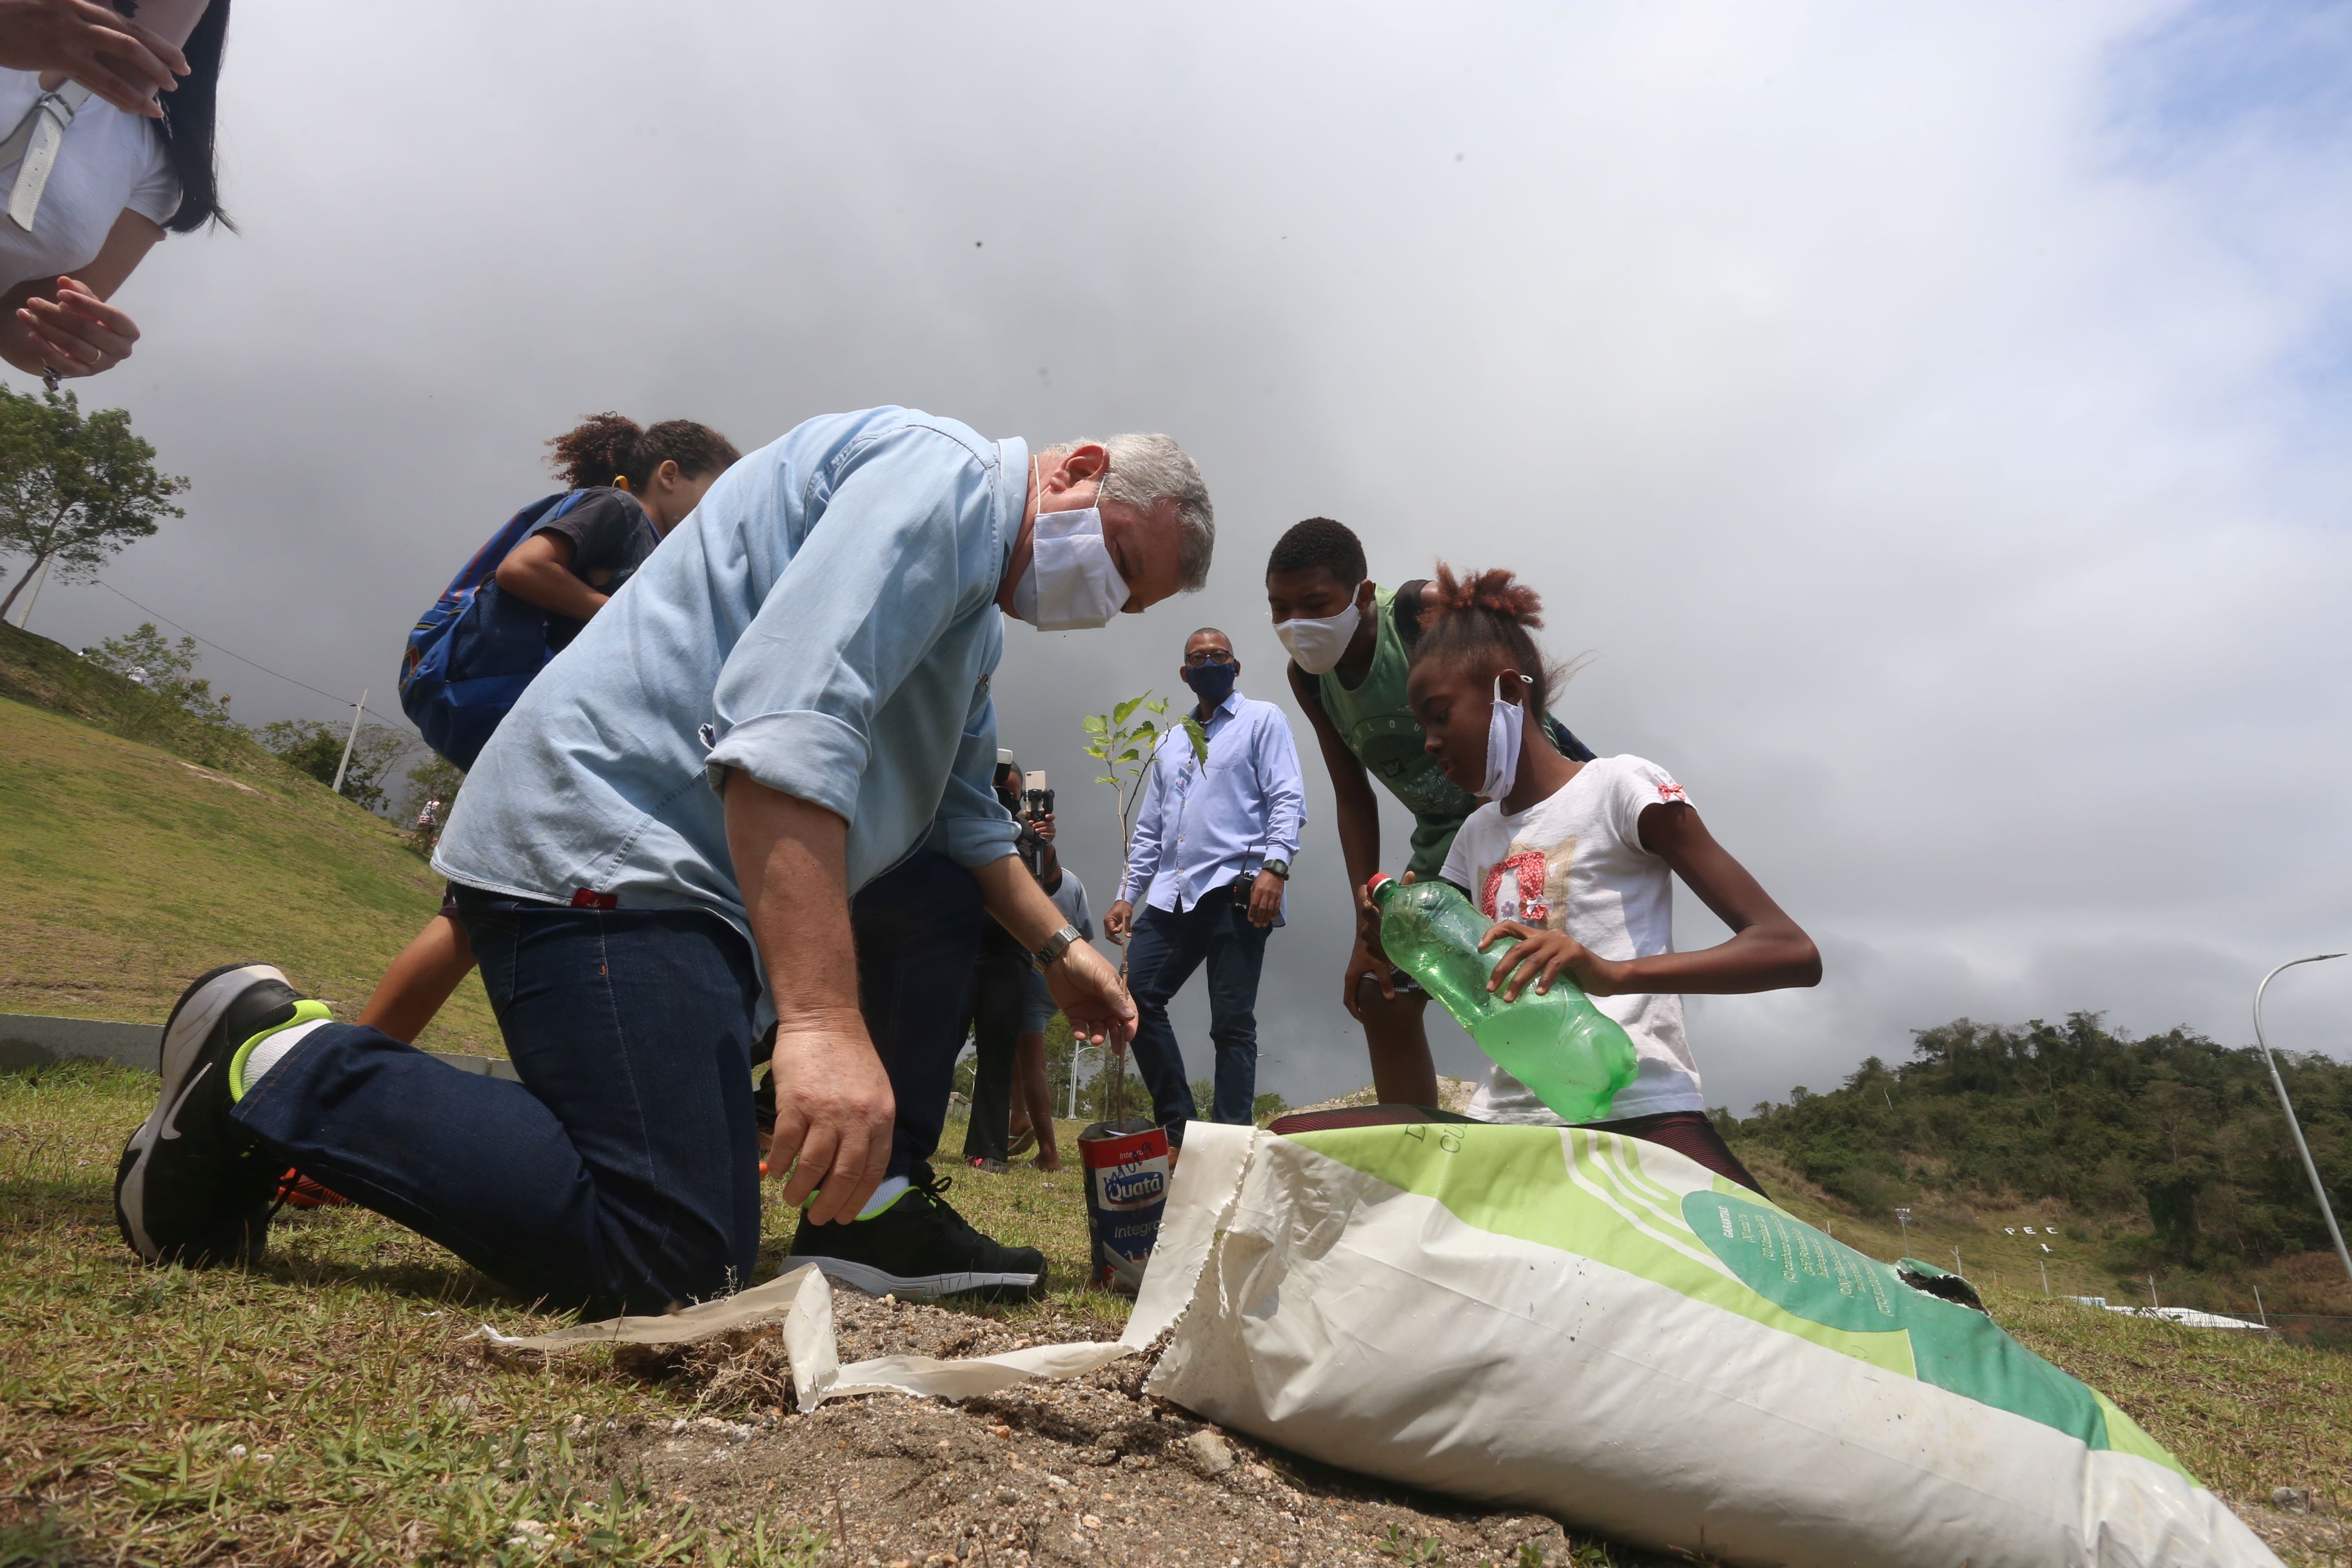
(193, 1187)
(920, 1249)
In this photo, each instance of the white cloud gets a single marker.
(1924, 414)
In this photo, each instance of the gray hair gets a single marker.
(1142, 470)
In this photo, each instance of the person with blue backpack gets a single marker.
(518, 601)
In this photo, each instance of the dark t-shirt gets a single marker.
(610, 536)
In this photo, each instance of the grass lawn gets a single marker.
(125, 871)
(326, 1408)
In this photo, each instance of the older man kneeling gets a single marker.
(757, 785)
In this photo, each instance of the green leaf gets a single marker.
(1158, 705)
(1094, 724)
(1200, 739)
(1130, 754)
(1107, 779)
(1119, 715)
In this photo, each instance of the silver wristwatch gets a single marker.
(1060, 942)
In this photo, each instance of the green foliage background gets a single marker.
(2170, 1130)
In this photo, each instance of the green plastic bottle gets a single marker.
(1571, 1054)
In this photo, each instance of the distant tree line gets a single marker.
(165, 670)
(2172, 1126)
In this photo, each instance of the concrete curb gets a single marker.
(30, 1041)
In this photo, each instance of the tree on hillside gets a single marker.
(317, 749)
(434, 778)
(164, 668)
(73, 490)
(2171, 1126)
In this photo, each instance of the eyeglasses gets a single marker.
(1201, 655)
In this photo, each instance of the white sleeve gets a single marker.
(1637, 784)
(1461, 866)
(156, 196)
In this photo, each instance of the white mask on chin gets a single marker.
(1505, 726)
(1319, 646)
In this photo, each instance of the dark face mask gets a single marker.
(1212, 683)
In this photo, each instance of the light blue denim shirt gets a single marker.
(824, 622)
(1195, 831)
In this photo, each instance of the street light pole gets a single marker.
(2318, 1188)
(348, 741)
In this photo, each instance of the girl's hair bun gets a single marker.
(1495, 592)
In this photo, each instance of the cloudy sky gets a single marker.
(1929, 418)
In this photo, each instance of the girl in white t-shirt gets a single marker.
(1573, 859)
(121, 181)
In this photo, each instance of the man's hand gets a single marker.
(1043, 826)
(76, 334)
(112, 55)
(1087, 988)
(1119, 922)
(1364, 963)
(834, 1104)
(1264, 899)
(1540, 955)
(834, 1115)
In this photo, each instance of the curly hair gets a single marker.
(606, 447)
(1319, 541)
(1480, 621)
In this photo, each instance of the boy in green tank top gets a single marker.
(1350, 641)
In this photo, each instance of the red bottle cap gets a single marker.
(1372, 883)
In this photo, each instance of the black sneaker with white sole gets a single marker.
(920, 1249)
(193, 1187)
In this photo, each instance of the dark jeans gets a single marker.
(620, 1173)
(999, 994)
(1167, 947)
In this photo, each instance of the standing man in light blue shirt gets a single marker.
(756, 785)
(1210, 854)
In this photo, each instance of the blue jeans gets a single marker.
(999, 991)
(1167, 947)
(622, 1174)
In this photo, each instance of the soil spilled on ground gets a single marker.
(1090, 1471)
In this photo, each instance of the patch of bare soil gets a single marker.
(1086, 1471)
(2297, 1524)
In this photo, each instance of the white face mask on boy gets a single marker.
(1072, 584)
(1319, 646)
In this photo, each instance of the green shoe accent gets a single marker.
(304, 1013)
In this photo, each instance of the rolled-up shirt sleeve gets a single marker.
(864, 601)
(972, 828)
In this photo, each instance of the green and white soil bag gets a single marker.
(1593, 1327)
(1599, 1328)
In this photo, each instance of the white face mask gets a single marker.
(1505, 725)
(1072, 584)
(1319, 646)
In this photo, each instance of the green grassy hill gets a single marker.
(140, 847)
(2162, 1157)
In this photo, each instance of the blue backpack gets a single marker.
(470, 659)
